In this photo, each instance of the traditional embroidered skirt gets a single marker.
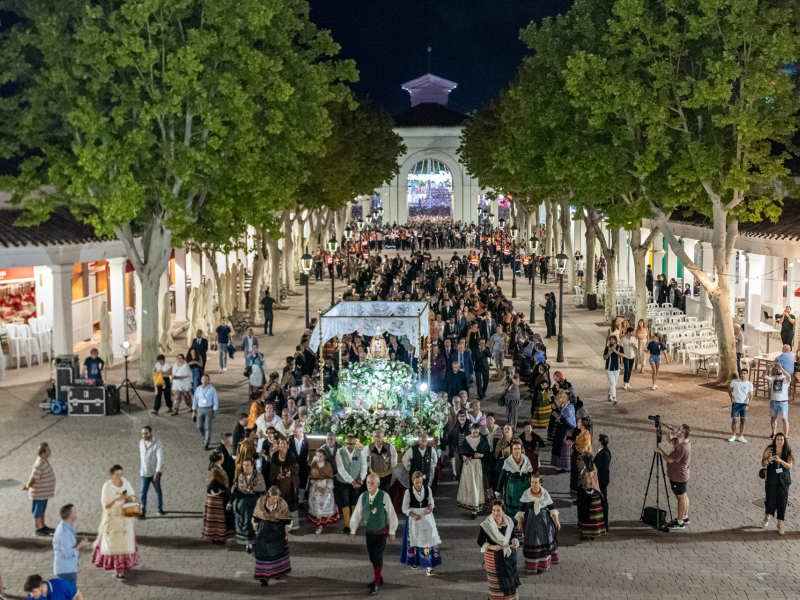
(561, 452)
(272, 569)
(217, 526)
(495, 591)
(515, 487)
(590, 514)
(540, 415)
(540, 548)
(115, 562)
(245, 534)
(321, 506)
(551, 425)
(471, 488)
(415, 556)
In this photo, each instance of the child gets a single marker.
(602, 461)
(656, 350)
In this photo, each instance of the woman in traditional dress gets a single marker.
(285, 473)
(217, 518)
(512, 398)
(590, 506)
(246, 450)
(531, 442)
(272, 522)
(500, 554)
(471, 488)
(321, 505)
(247, 489)
(541, 409)
(561, 451)
(538, 522)
(514, 478)
(581, 442)
(421, 538)
(115, 548)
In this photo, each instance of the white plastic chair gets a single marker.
(43, 337)
(691, 319)
(684, 352)
(18, 347)
(35, 350)
(666, 305)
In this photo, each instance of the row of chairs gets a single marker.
(29, 341)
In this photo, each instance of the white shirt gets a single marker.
(181, 385)
(779, 388)
(151, 455)
(627, 347)
(286, 432)
(434, 459)
(391, 516)
(165, 369)
(342, 472)
(741, 391)
(205, 397)
(298, 445)
(262, 424)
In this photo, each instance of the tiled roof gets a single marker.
(787, 226)
(430, 114)
(61, 228)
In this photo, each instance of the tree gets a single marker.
(136, 113)
(697, 92)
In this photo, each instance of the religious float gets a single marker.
(378, 393)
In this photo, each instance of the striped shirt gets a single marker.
(44, 481)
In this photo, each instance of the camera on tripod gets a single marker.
(657, 422)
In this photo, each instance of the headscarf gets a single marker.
(568, 414)
(558, 376)
(251, 484)
(279, 513)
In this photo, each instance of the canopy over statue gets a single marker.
(408, 319)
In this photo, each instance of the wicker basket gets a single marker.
(132, 509)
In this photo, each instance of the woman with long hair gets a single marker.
(582, 443)
(217, 519)
(777, 459)
(285, 474)
(560, 451)
(590, 506)
(642, 337)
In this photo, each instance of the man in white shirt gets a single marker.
(351, 470)
(181, 384)
(249, 347)
(779, 399)
(580, 265)
(204, 408)
(381, 459)
(421, 457)
(381, 523)
(286, 425)
(741, 393)
(151, 456)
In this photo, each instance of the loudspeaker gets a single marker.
(654, 517)
(591, 301)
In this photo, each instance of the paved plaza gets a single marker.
(723, 553)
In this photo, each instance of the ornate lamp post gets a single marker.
(561, 268)
(348, 234)
(514, 231)
(333, 246)
(306, 262)
(533, 243)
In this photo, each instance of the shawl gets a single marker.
(568, 414)
(503, 445)
(511, 466)
(216, 473)
(246, 451)
(538, 503)
(251, 484)
(491, 529)
(280, 512)
(583, 443)
(317, 472)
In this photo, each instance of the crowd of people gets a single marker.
(264, 477)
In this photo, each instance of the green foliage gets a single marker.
(135, 110)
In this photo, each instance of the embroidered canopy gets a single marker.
(408, 319)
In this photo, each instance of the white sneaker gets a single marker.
(765, 522)
(655, 387)
(626, 386)
(741, 439)
(732, 438)
(614, 400)
(225, 370)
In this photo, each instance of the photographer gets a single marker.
(678, 470)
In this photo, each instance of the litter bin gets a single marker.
(591, 301)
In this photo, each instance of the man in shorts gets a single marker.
(678, 471)
(741, 393)
(778, 382)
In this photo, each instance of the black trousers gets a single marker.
(386, 482)
(481, 383)
(604, 502)
(787, 338)
(376, 544)
(550, 322)
(777, 497)
(345, 494)
(166, 391)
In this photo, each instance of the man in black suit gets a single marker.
(298, 444)
(448, 312)
(200, 345)
(481, 356)
(448, 351)
(455, 381)
(398, 349)
(462, 325)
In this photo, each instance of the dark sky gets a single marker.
(475, 43)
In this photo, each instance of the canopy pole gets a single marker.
(321, 385)
(419, 344)
(430, 350)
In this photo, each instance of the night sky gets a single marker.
(475, 43)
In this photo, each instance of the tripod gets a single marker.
(660, 479)
(128, 385)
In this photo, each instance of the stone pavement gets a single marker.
(722, 554)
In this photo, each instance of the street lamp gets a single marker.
(368, 219)
(561, 267)
(333, 246)
(533, 242)
(306, 262)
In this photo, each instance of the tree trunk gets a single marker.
(609, 252)
(156, 244)
(548, 234)
(256, 282)
(556, 229)
(288, 253)
(725, 232)
(591, 241)
(566, 231)
(274, 261)
(639, 250)
(211, 255)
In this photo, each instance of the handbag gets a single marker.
(132, 509)
(158, 378)
(762, 473)
(502, 400)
